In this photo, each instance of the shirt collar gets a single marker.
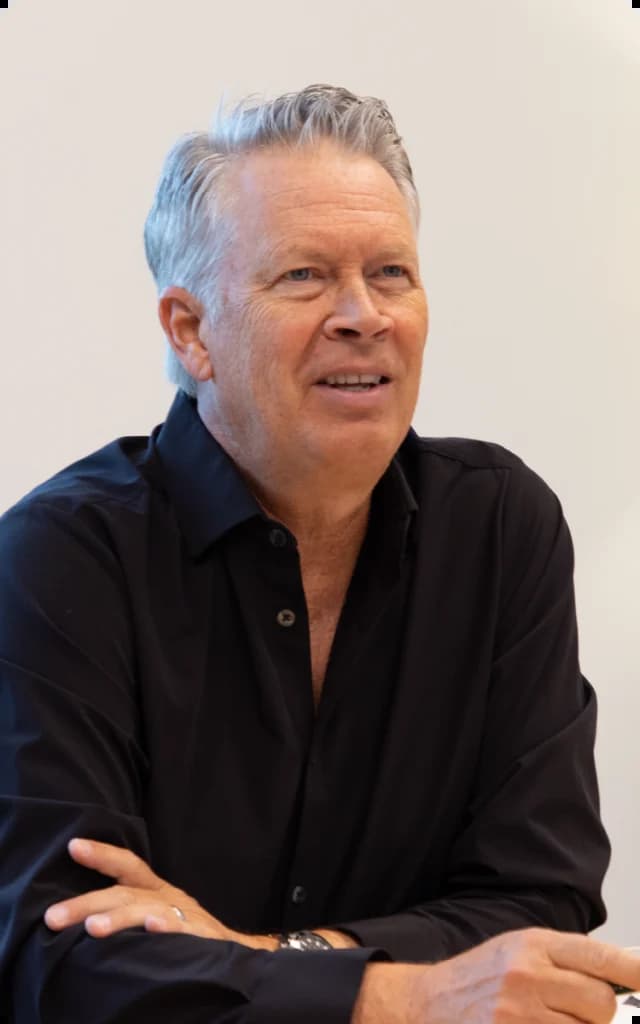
(207, 491)
(393, 510)
(210, 496)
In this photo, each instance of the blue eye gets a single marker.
(299, 274)
(393, 270)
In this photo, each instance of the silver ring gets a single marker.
(179, 913)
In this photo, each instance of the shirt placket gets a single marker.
(288, 631)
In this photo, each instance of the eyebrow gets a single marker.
(303, 255)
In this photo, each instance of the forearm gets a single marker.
(136, 975)
(530, 974)
(390, 994)
(441, 928)
(169, 977)
(520, 862)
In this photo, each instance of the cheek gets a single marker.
(416, 313)
(413, 334)
(240, 349)
(284, 343)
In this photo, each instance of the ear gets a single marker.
(181, 316)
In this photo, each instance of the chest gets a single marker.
(325, 598)
(226, 720)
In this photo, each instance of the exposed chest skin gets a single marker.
(325, 588)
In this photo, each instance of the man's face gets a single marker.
(321, 282)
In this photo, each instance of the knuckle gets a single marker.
(527, 940)
(173, 895)
(519, 978)
(120, 916)
(598, 956)
(131, 860)
(533, 938)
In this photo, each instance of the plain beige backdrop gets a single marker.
(522, 118)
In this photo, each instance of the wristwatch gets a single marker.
(310, 942)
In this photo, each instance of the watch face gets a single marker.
(308, 941)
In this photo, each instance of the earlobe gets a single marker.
(196, 362)
(181, 316)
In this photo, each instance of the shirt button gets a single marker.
(299, 894)
(278, 538)
(286, 617)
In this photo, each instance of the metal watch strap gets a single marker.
(309, 942)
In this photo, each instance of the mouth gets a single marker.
(354, 382)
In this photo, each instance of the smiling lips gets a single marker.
(353, 381)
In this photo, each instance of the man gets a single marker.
(302, 684)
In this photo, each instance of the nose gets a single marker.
(356, 315)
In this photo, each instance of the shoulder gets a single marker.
(68, 552)
(486, 467)
(464, 452)
(483, 488)
(485, 503)
(117, 474)
(114, 473)
(89, 503)
(69, 543)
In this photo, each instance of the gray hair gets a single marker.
(184, 235)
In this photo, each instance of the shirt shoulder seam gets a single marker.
(490, 454)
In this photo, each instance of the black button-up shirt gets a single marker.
(155, 692)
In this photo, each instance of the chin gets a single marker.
(376, 442)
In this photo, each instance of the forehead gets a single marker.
(285, 194)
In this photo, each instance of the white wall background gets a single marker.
(523, 121)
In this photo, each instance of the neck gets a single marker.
(321, 526)
(325, 511)
(323, 502)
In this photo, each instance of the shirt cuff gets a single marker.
(317, 988)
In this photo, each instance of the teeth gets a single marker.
(353, 378)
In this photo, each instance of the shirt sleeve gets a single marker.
(72, 764)
(530, 849)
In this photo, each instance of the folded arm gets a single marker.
(72, 764)
(531, 849)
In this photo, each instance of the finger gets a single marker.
(115, 861)
(566, 1018)
(72, 911)
(598, 959)
(99, 926)
(166, 921)
(572, 993)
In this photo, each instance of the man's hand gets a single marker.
(534, 976)
(139, 898)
